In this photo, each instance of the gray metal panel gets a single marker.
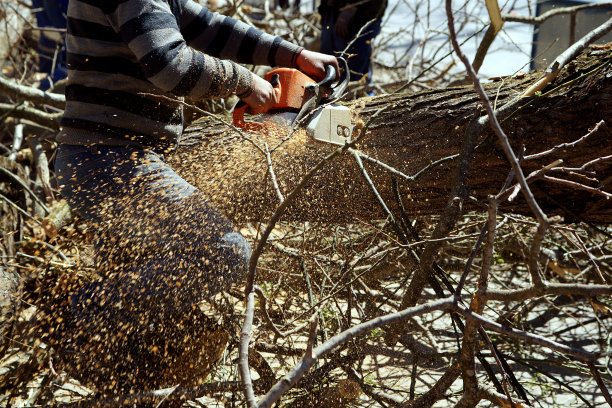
(553, 36)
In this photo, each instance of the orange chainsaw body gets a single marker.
(299, 97)
(290, 86)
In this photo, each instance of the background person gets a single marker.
(341, 21)
(51, 14)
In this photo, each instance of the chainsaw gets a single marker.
(301, 101)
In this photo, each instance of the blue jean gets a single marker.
(360, 52)
(161, 246)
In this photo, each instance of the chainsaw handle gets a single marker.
(339, 89)
(241, 107)
(330, 75)
(326, 84)
(238, 115)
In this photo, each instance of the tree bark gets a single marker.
(411, 132)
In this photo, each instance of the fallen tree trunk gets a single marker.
(412, 132)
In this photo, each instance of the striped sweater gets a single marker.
(122, 54)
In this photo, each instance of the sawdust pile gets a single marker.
(233, 172)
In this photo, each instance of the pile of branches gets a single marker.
(458, 309)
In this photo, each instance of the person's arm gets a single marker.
(344, 22)
(150, 30)
(152, 33)
(225, 37)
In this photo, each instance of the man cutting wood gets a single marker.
(161, 247)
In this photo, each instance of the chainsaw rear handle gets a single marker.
(238, 117)
(241, 107)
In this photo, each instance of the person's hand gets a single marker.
(262, 97)
(314, 64)
(343, 22)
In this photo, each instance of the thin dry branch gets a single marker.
(568, 55)
(31, 94)
(537, 20)
(22, 111)
(298, 372)
(527, 337)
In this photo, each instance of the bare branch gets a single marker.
(525, 336)
(550, 288)
(243, 359)
(298, 372)
(537, 20)
(572, 52)
(34, 95)
(21, 111)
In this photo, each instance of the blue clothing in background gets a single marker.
(360, 51)
(354, 22)
(52, 54)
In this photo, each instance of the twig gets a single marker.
(578, 186)
(586, 251)
(17, 140)
(46, 245)
(392, 170)
(537, 20)
(483, 48)
(42, 166)
(499, 363)
(565, 145)
(568, 55)
(562, 384)
(361, 329)
(468, 346)
(31, 94)
(381, 398)
(468, 264)
(272, 175)
(436, 392)
(496, 398)
(600, 383)
(369, 182)
(312, 337)
(550, 288)
(16, 207)
(25, 187)
(581, 355)
(243, 360)
(595, 161)
(170, 391)
(21, 111)
(510, 193)
(212, 115)
(264, 312)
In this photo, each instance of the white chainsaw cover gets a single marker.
(331, 124)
